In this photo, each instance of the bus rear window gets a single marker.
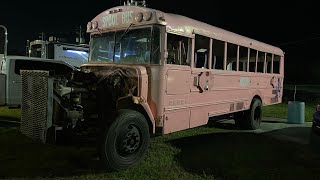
(276, 64)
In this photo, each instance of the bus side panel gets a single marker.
(177, 90)
(228, 92)
(222, 93)
(199, 117)
(178, 82)
(176, 121)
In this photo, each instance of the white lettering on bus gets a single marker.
(110, 20)
(127, 17)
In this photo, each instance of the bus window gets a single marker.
(268, 63)
(217, 54)
(102, 47)
(260, 63)
(252, 60)
(276, 64)
(178, 47)
(232, 57)
(243, 58)
(201, 52)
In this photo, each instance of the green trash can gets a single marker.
(296, 111)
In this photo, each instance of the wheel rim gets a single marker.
(128, 141)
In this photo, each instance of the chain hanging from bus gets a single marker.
(154, 73)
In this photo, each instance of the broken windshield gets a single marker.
(134, 46)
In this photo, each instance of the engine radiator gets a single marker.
(36, 105)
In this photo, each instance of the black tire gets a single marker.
(253, 116)
(250, 119)
(239, 119)
(314, 129)
(126, 141)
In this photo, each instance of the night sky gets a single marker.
(293, 25)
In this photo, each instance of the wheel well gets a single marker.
(255, 97)
(140, 109)
(127, 103)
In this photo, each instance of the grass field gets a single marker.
(200, 153)
(281, 110)
(9, 114)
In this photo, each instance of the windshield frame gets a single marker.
(115, 35)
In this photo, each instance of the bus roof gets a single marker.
(111, 19)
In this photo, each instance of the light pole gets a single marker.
(5, 39)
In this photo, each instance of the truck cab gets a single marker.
(52, 54)
(10, 79)
(72, 53)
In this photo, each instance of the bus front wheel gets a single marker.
(126, 141)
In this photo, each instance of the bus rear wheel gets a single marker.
(250, 119)
(126, 141)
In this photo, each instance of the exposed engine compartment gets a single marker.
(89, 98)
(93, 94)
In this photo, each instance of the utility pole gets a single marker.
(43, 46)
(2, 61)
(80, 34)
(5, 40)
(79, 38)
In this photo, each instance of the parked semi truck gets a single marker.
(54, 48)
(53, 55)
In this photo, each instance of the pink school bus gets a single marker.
(151, 72)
